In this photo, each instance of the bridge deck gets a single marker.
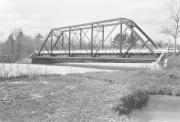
(104, 52)
(60, 59)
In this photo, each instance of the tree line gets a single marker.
(19, 45)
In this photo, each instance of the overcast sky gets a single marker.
(39, 16)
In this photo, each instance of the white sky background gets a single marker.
(39, 16)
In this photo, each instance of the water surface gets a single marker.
(160, 109)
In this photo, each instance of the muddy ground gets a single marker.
(85, 97)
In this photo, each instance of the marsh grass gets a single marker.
(17, 72)
(7, 73)
(164, 82)
(165, 90)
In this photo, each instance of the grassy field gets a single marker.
(77, 97)
(88, 97)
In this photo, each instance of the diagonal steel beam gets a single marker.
(57, 40)
(110, 33)
(85, 34)
(136, 34)
(144, 45)
(129, 47)
(66, 36)
(47, 49)
(76, 35)
(56, 47)
(44, 43)
(107, 36)
(149, 39)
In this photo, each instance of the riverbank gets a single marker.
(18, 70)
(77, 97)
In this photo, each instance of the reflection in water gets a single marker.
(160, 109)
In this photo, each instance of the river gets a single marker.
(160, 109)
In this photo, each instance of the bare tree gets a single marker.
(173, 29)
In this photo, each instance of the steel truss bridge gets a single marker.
(119, 37)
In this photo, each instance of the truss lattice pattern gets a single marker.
(118, 36)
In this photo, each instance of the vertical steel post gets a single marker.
(92, 29)
(12, 47)
(103, 37)
(62, 44)
(120, 40)
(69, 47)
(51, 43)
(80, 40)
(132, 37)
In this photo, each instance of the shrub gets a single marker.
(135, 100)
(121, 109)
